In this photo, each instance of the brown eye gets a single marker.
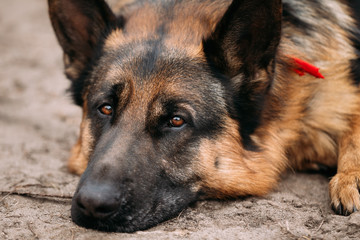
(106, 109)
(177, 121)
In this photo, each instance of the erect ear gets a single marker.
(245, 42)
(79, 26)
(246, 38)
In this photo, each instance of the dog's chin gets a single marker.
(114, 223)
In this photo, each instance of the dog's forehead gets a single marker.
(151, 63)
(183, 25)
(171, 44)
(153, 73)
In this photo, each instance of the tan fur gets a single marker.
(186, 30)
(318, 116)
(230, 171)
(344, 186)
(302, 135)
(80, 152)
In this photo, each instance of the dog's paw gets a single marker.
(344, 192)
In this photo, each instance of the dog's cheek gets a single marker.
(215, 158)
(80, 152)
(227, 170)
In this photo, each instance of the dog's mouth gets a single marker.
(121, 222)
(96, 207)
(116, 222)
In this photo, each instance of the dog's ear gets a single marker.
(79, 26)
(243, 47)
(246, 38)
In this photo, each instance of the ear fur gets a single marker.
(246, 38)
(243, 47)
(79, 26)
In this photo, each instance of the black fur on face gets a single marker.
(141, 163)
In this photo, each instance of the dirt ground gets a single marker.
(38, 125)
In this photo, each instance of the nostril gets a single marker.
(80, 205)
(105, 209)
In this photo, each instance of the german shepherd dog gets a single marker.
(185, 100)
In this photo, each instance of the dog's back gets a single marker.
(324, 34)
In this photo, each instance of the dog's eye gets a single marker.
(106, 109)
(177, 122)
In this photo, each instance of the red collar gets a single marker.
(303, 67)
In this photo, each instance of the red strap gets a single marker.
(305, 67)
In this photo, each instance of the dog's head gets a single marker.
(171, 93)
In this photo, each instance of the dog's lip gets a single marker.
(113, 223)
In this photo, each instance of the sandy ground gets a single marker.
(38, 125)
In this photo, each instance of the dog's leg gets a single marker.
(345, 185)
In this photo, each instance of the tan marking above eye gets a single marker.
(106, 109)
(177, 121)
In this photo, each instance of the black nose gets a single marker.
(97, 201)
